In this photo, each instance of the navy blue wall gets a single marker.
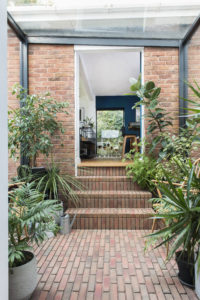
(120, 102)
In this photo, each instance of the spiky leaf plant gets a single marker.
(53, 183)
(182, 219)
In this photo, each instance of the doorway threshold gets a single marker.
(97, 162)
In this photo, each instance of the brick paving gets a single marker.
(106, 264)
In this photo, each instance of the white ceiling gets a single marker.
(108, 73)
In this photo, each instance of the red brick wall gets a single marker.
(161, 65)
(51, 68)
(194, 58)
(194, 70)
(13, 61)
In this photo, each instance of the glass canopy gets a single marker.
(152, 19)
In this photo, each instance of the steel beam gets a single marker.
(15, 27)
(191, 31)
(183, 75)
(103, 41)
(23, 82)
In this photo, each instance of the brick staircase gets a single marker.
(110, 200)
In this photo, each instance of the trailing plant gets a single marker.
(183, 218)
(52, 183)
(29, 218)
(158, 118)
(33, 124)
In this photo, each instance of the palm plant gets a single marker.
(182, 218)
(53, 183)
(29, 219)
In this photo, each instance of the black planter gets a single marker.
(38, 171)
(186, 273)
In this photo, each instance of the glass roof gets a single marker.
(163, 19)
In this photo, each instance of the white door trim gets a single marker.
(78, 49)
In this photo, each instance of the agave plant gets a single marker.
(30, 217)
(53, 183)
(182, 218)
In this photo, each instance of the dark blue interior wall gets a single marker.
(120, 102)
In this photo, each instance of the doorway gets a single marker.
(110, 124)
(102, 72)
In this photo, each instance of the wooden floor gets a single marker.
(102, 163)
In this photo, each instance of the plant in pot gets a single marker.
(29, 219)
(57, 186)
(32, 126)
(182, 223)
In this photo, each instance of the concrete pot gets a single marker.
(23, 280)
(197, 281)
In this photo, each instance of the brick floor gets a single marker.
(105, 264)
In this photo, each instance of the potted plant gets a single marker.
(182, 221)
(29, 219)
(32, 125)
(56, 186)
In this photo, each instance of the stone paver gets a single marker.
(106, 264)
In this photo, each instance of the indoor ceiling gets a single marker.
(108, 73)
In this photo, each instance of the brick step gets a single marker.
(115, 199)
(111, 218)
(102, 171)
(109, 183)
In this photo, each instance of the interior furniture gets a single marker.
(133, 139)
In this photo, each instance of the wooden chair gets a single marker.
(133, 139)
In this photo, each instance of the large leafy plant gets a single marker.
(183, 216)
(33, 124)
(193, 110)
(142, 169)
(29, 219)
(158, 118)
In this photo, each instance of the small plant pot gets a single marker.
(23, 280)
(186, 269)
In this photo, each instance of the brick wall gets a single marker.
(13, 62)
(194, 70)
(51, 68)
(194, 58)
(161, 65)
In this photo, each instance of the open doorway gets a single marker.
(110, 124)
(101, 84)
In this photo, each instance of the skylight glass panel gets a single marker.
(105, 18)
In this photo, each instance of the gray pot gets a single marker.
(197, 281)
(23, 280)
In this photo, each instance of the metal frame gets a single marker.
(23, 82)
(97, 41)
(183, 71)
(23, 63)
(16, 28)
(58, 40)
